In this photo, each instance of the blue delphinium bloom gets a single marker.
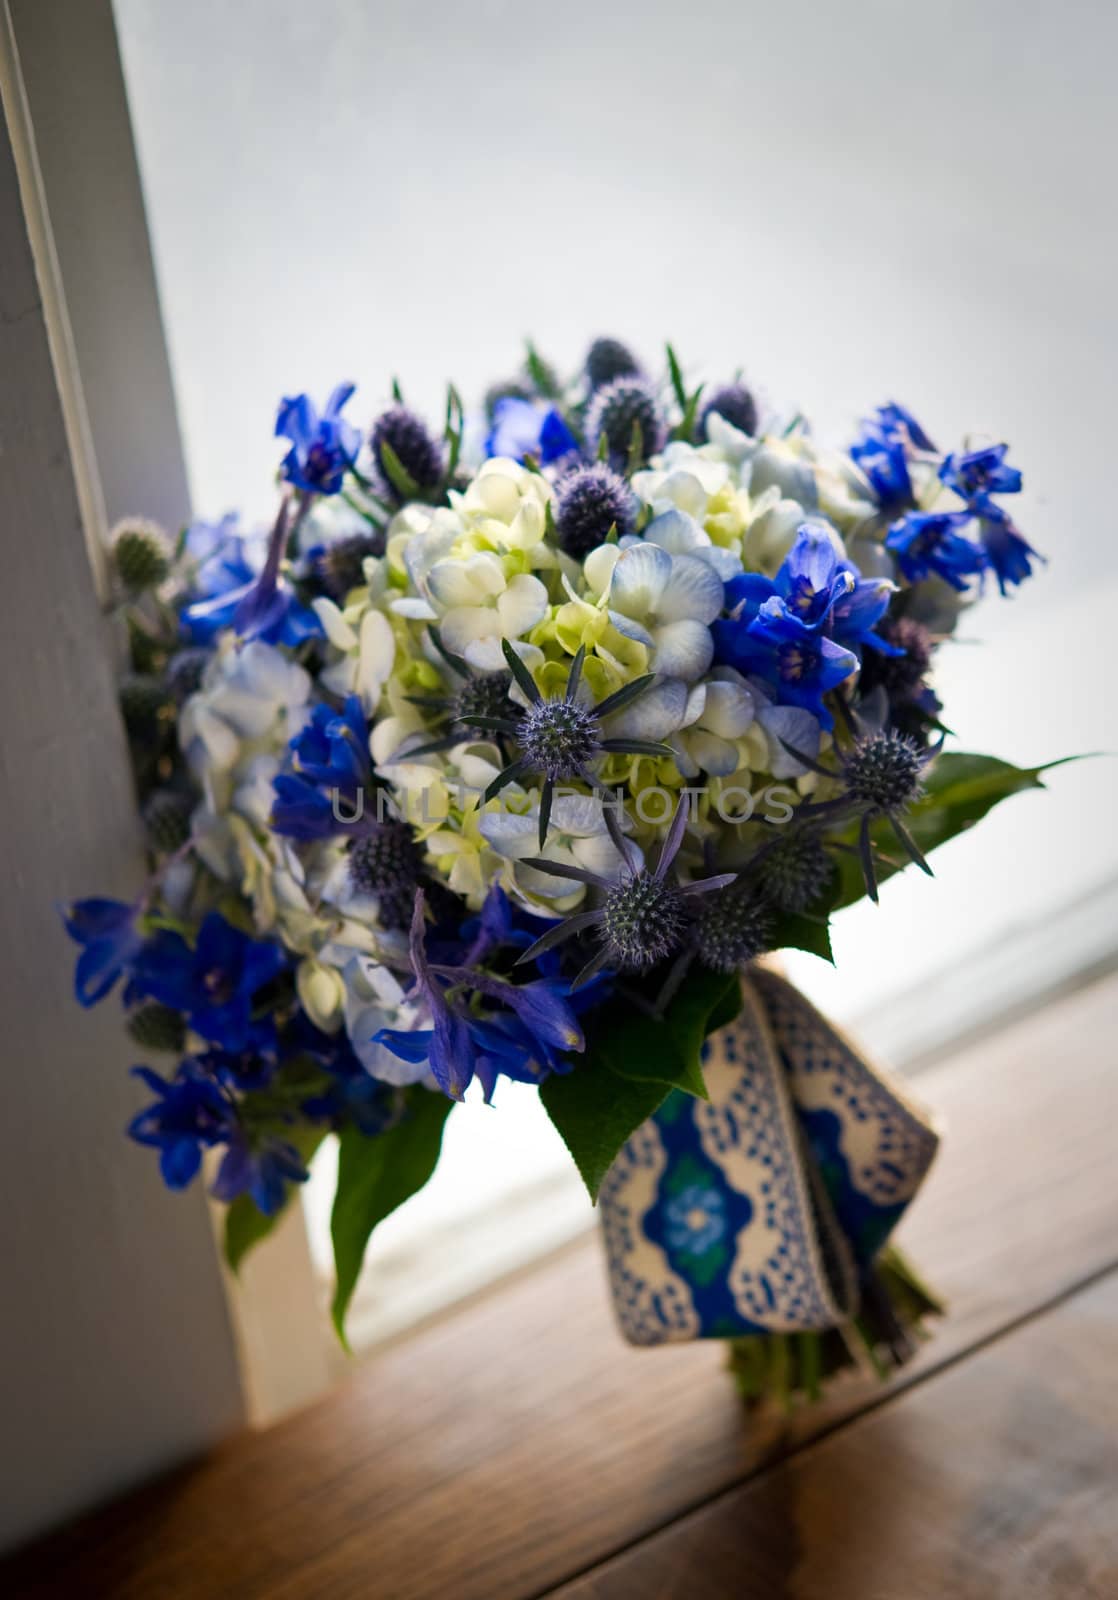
(109, 933)
(260, 1167)
(266, 607)
(801, 664)
(352, 1096)
(190, 1114)
(520, 1038)
(883, 450)
(218, 554)
(930, 544)
(215, 983)
(332, 748)
(526, 428)
(802, 631)
(323, 446)
(1009, 556)
(324, 796)
(980, 472)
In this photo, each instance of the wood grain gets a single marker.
(995, 1478)
(519, 1441)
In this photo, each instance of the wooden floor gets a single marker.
(518, 1448)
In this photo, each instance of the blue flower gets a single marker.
(219, 556)
(1007, 553)
(261, 1168)
(800, 631)
(980, 472)
(523, 1038)
(323, 447)
(333, 748)
(799, 663)
(324, 796)
(215, 983)
(929, 544)
(190, 1114)
(883, 450)
(694, 1220)
(109, 933)
(265, 607)
(525, 428)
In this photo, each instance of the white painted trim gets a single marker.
(78, 435)
(64, 95)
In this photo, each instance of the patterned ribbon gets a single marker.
(759, 1210)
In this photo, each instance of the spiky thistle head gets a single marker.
(482, 698)
(386, 862)
(734, 925)
(144, 701)
(400, 439)
(589, 502)
(618, 411)
(340, 566)
(559, 738)
(902, 677)
(643, 922)
(608, 359)
(883, 771)
(794, 871)
(734, 404)
(141, 554)
(166, 816)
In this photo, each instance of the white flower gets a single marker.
(680, 535)
(577, 837)
(479, 606)
(366, 654)
(250, 694)
(720, 712)
(771, 532)
(321, 992)
(684, 480)
(374, 1000)
(667, 603)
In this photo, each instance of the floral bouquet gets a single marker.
(506, 753)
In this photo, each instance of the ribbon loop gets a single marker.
(756, 1211)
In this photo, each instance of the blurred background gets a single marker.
(853, 203)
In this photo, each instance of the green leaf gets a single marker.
(804, 931)
(633, 1060)
(595, 1111)
(960, 789)
(396, 473)
(677, 379)
(375, 1175)
(245, 1225)
(542, 373)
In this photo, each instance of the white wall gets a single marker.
(116, 1356)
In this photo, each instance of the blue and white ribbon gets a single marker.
(755, 1211)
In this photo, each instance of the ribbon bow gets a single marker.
(761, 1210)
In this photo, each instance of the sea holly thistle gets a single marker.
(643, 917)
(480, 700)
(559, 739)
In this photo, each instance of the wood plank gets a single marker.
(995, 1478)
(519, 1441)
